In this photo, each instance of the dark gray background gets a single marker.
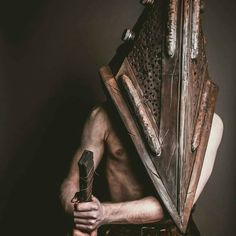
(50, 53)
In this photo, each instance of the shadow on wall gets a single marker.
(17, 18)
(47, 106)
(33, 207)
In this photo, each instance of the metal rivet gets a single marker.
(147, 2)
(128, 35)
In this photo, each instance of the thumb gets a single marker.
(94, 199)
(75, 199)
(94, 233)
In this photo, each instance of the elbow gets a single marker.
(62, 197)
(159, 214)
(155, 210)
(66, 194)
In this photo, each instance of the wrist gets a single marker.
(67, 206)
(69, 209)
(106, 213)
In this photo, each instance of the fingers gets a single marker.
(94, 233)
(75, 199)
(79, 233)
(94, 199)
(85, 221)
(86, 228)
(86, 214)
(86, 206)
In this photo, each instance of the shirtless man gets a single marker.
(131, 202)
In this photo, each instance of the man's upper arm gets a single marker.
(93, 137)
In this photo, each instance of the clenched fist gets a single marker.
(88, 216)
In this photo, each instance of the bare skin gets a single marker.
(130, 202)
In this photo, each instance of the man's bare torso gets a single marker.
(125, 174)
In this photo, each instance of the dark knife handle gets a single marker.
(86, 174)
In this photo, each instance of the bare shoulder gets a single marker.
(211, 152)
(218, 122)
(99, 117)
(215, 137)
(216, 131)
(98, 123)
(98, 114)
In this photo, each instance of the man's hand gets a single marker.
(88, 216)
(79, 233)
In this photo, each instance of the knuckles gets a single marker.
(88, 228)
(86, 206)
(91, 227)
(94, 215)
(95, 207)
(87, 215)
(92, 222)
(76, 214)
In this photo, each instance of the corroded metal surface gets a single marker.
(145, 59)
(147, 2)
(195, 28)
(172, 27)
(149, 130)
(185, 76)
(167, 100)
(201, 117)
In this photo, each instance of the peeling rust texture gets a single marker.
(185, 78)
(201, 116)
(139, 108)
(162, 91)
(195, 28)
(172, 28)
(146, 59)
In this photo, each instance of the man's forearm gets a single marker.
(146, 210)
(67, 193)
